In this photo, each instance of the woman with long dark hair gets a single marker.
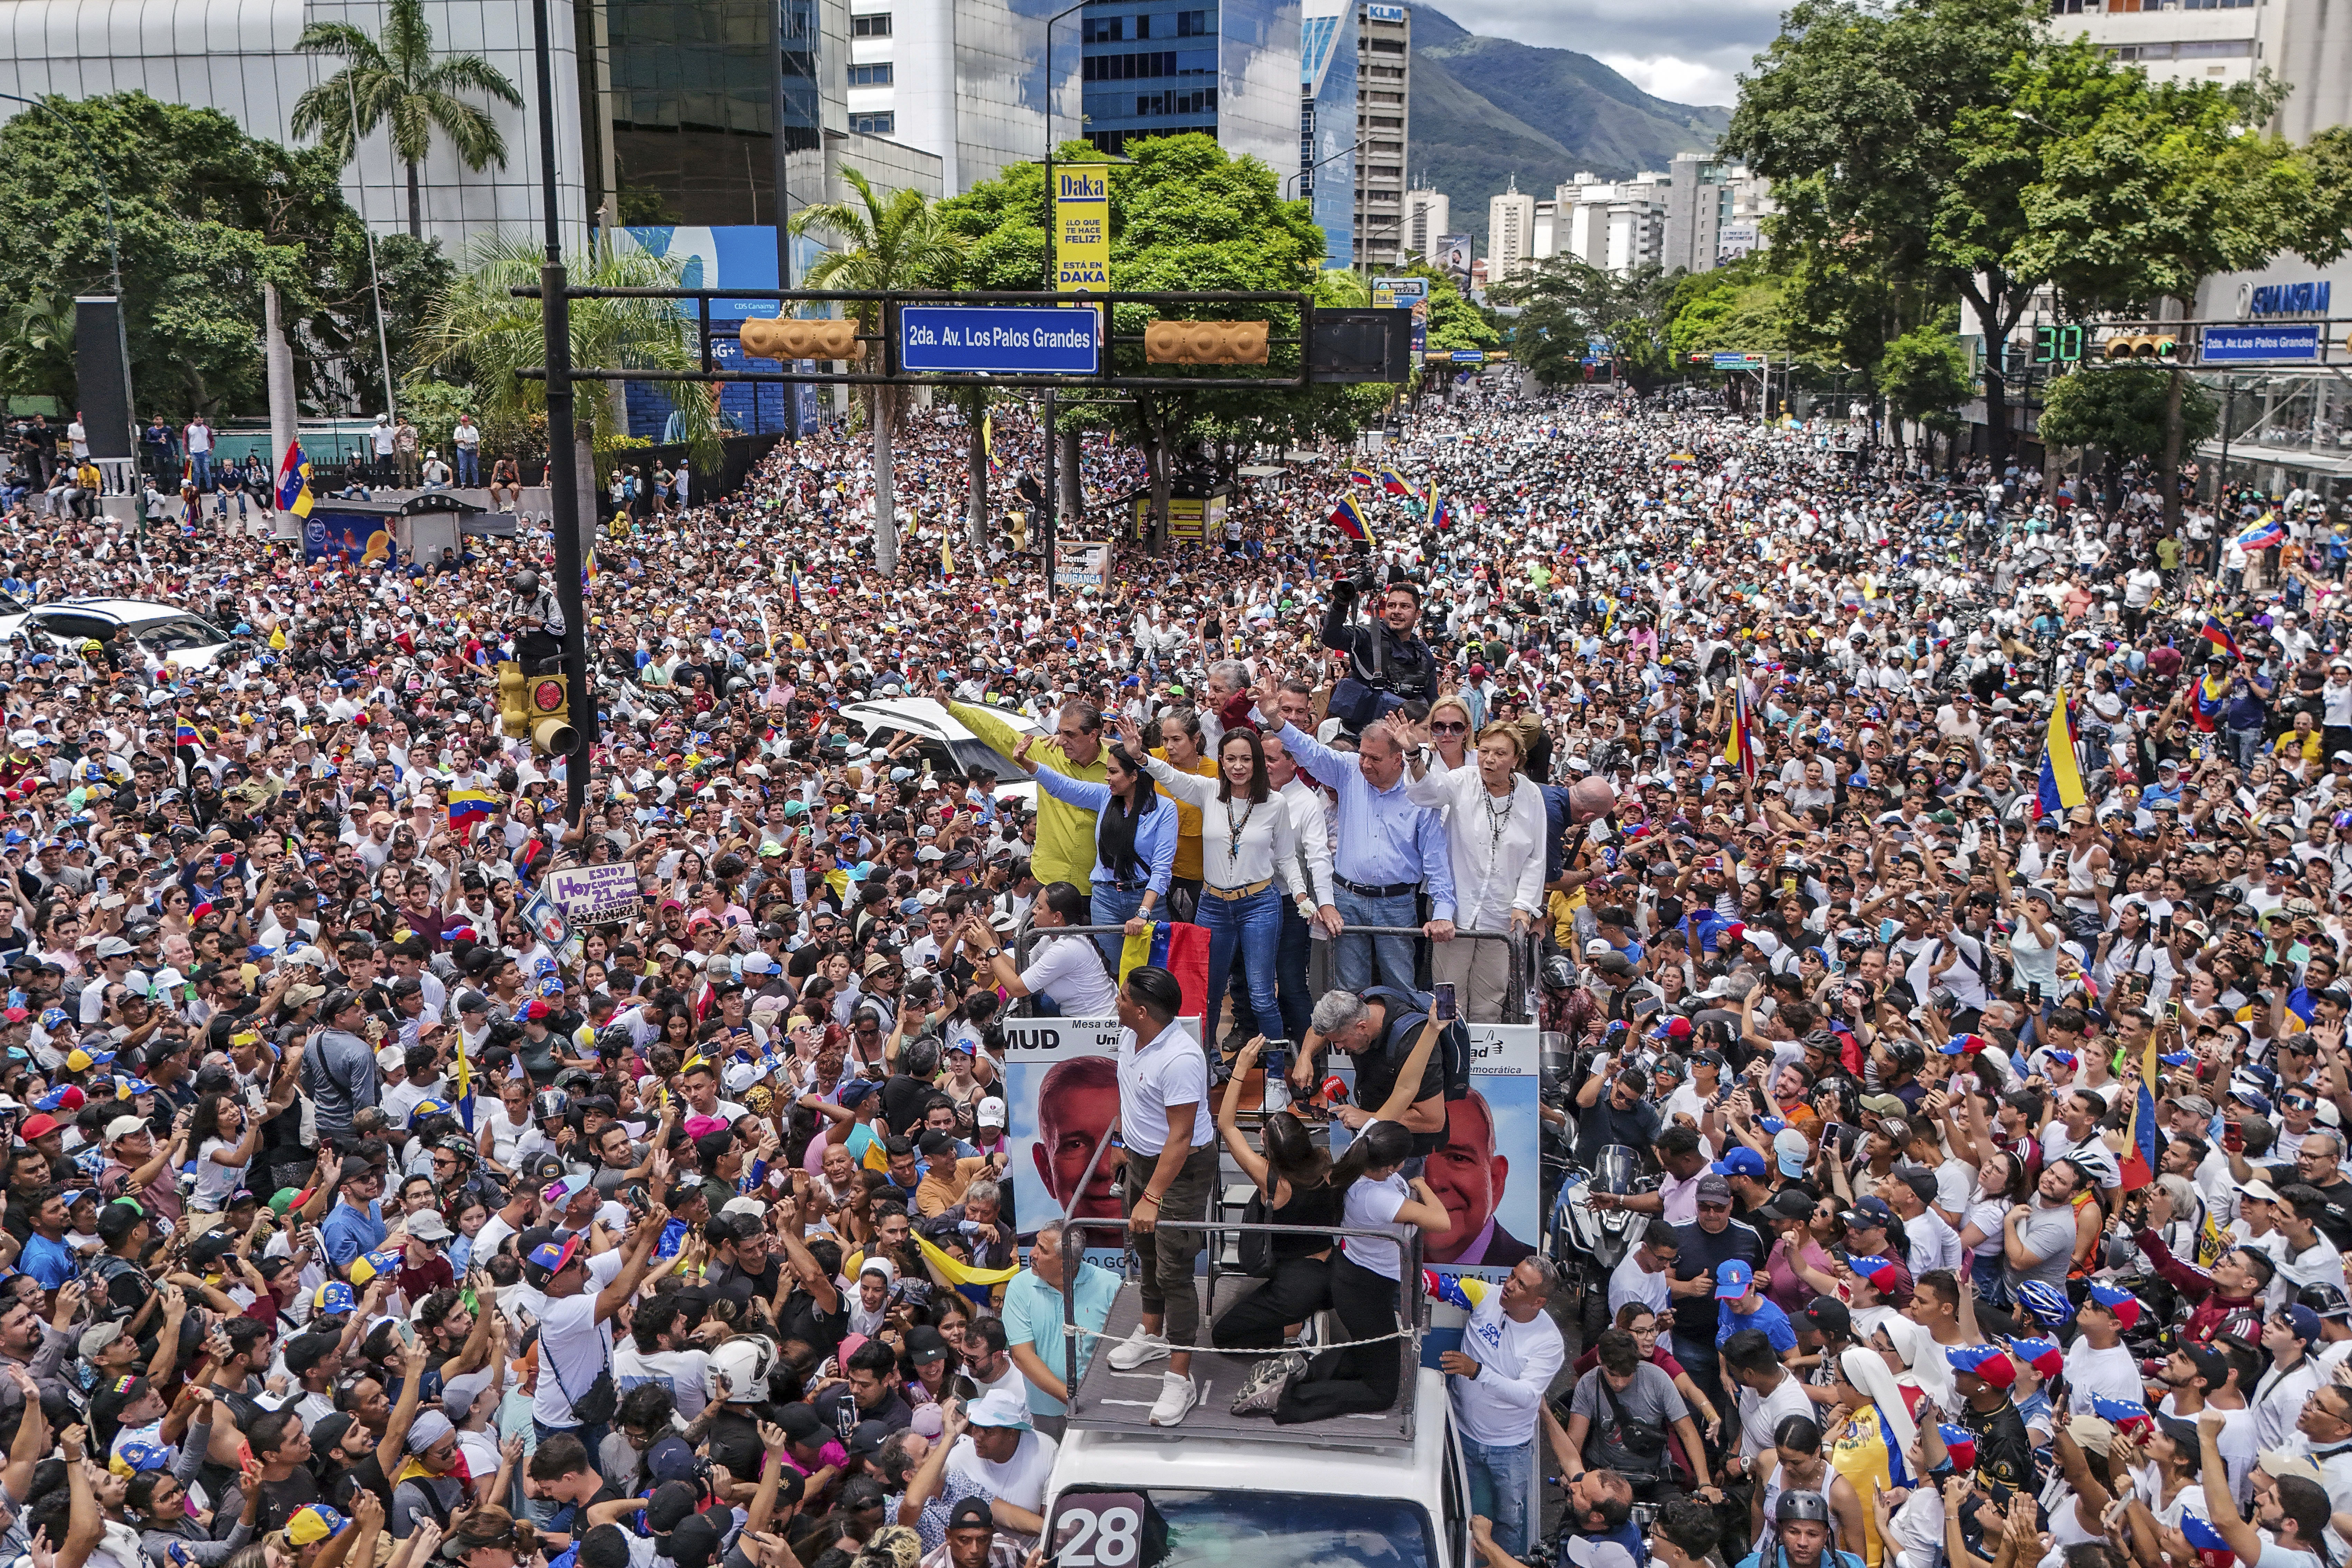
(1135, 839)
(1292, 1177)
(1247, 847)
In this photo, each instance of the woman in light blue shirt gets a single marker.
(1135, 840)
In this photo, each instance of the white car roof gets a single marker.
(927, 716)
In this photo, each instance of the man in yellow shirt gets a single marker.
(1066, 834)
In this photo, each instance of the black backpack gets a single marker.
(1407, 1011)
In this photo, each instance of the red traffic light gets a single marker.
(547, 696)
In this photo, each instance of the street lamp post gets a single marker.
(562, 455)
(113, 259)
(1318, 163)
(1052, 500)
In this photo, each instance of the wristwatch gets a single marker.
(992, 953)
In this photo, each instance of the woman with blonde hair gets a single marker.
(1494, 828)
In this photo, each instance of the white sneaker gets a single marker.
(1137, 1349)
(1178, 1395)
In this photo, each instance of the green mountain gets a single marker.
(1484, 109)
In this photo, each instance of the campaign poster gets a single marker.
(1061, 1096)
(1487, 1172)
(351, 539)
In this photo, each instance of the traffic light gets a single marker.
(787, 338)
(547, 711)
(513, 712)
(2161, 346)
(1205, 343)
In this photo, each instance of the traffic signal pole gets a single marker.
(562, 450)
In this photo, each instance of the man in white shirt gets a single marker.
(1768, 1393)
(2278, 1398)
(1933, 1243)
(1641, 1275)
(582, 1293)
(1511, 1351)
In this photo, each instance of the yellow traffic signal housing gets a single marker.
(547, 701)
(789, 339)
(512, 711)
(1205, 343)
(2163, 346)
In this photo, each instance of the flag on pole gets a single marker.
(1394, 483)
(2217, 633)
(796, 584)
(988, 441)
(2138, 1164)
(588, 570)
(2266, 531)
(1349, 519)
(1441, 510)
(465, 1085)
(2062, 773)
(1743, 738)
(294, 482)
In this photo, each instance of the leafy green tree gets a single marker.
(1924, 375)
(479, 329)
(881, 243)
(1741, 306)
(2162, 185)
(37, 345)
(206, 215)
(2127, 414)
(399, 82)
(1898, 167)
(1568, 303)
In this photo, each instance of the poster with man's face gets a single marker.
(1487, 1173)
(1061, 1097)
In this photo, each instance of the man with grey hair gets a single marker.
(1032, 1322)
(1377, 1030)
(979, 1223)
(1226, 676)
(1389, 850)
(1511, 1350)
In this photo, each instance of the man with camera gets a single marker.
(1387, 663)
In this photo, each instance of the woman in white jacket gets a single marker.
(1495, 825)
(1249, 860)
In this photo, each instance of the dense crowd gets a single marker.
(351, 1211)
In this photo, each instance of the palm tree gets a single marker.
(883, 243)
(399, 81)
(480, 328)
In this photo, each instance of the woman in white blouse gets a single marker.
(1495, 825)
(1249, 859)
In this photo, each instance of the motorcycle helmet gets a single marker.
(738, 1370)
(524, 584)
(1793, 1506)
(1559, 973)
(549, 1105)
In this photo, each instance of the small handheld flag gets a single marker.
(2217, 633)
(294, 482)
(1362, 477)
(467, 807)
(1349, 519)
(2062, 773)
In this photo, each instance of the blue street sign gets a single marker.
(2240, 345)
(1002, 340)
(1469, 356)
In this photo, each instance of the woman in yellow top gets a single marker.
(1180, 747)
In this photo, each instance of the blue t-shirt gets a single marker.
(1033, 1316)
(347, 1231)
(1766, 1317)
(51, 1262)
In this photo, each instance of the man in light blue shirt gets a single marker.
(355, 1225)
(1033, 1324)
(1390, 850)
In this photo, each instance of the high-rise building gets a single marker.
(1327, 122)
(2230, 41)
(1510, 233)
(1615, 225)
(1712, 211)
(964, 81)
(1383, 105)
(1230, 68)
(1428, 219)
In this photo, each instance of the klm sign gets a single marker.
(2288, 300)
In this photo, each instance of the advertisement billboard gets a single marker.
(1081, 228)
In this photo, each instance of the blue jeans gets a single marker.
(2244, 745)
(1110, 906)
(469, 466)
(1503, 1487)
(201, 464)
(1250, 930)
(1354, 958)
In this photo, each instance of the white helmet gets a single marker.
(738, 1370)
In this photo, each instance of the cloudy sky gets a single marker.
(1686, 50)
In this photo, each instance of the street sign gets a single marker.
(2241, 346)
(1000, 340)
(1469, 356)
(1389, 293)
(1739, 361)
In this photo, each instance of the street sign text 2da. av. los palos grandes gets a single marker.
(999, 340)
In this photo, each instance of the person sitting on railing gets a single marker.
(1065, 977)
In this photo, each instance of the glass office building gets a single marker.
(1327, 123)
(1229, 69)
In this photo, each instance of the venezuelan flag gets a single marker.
(796, 584)
(1362, 477)
(467, 807)
(988, 442)
(2205, 697)
(1349, 519)
(1743, 738)
(465, 1084)
(2062, 774)
(2217, 633)
(294, 482)
(1441, 510)
(1394, 483)
(187, 739)
(2266, 531)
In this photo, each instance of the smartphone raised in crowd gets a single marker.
(1444, 1008)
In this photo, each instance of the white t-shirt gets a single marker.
(1370, 1203)
(2112, 1371)
(1019, 1481)
(1069, 970)
(1934, 1244)
(1170, 1069)
(1761, 1414)
(573, 1347)
(678, 1371)
(1629, 1281)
